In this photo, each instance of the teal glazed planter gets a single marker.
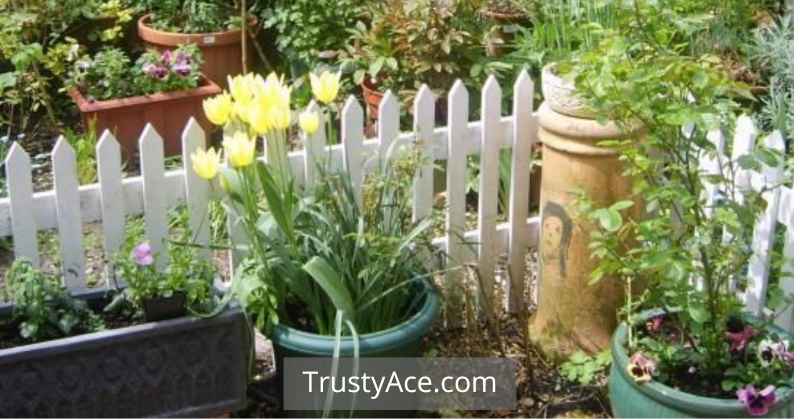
(403, 340)
(656, 400)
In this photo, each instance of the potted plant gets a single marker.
(327, 264)
(687, 346)
(62, 355)
(558, 88)
(505, 16)
(162, 89)
(397, 51)
(215, 26)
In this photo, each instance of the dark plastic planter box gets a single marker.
(186, 367)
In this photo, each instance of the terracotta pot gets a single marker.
(167, 112)
(222, 51)
(373, 98)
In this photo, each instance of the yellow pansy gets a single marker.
(240, 149)
(309, 122)
(325, 86)
(206, 163)
(218, 108)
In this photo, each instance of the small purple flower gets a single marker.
(757, 402)
(166, 58)
(183, 58)
(739, 339)
(155, 71)
(143, 254)
(641, 368)
(769, 351)
(182, 70)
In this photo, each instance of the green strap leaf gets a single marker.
(328, 280)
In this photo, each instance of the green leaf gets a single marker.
(609, 219)
(621, 205)
(330, 282)
(698, 312)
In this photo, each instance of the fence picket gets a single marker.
(70, 230)
(112, 199)
(388, 123)
(785, 216)
(424, 114)
(314, 148)
(197, 188)
(764, 233)
(520, 187)
(457, 120)
(744, 139)
(151, 157)
(353, 139)
(488, 189)
(20, 196)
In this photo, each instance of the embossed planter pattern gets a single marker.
(182, 367)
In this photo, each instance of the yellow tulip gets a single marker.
(279, 117)
(273, 92)
(218, 108)
(257, 119)
(325, 86)
(206, 163)
(240, 88)
(309, 122)
(240, 149)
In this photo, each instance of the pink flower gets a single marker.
(757, 402)
(641, 368)
(654, 324)
(143, 254)
(739, 340)
(182, 69)
(155, 71)
(166, 58)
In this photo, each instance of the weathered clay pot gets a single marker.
(561, 96)
(222, 51)
(167, 112)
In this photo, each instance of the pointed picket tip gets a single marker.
(192, 129)
(745, 124)
(389, 103)
(775, 141)
(424, 98)
(457, 91)
(312, 106)
(351, 106)
(107, 142)
(715, 137)
(17, 155)
(491, 87)
(523, 80)
(63, 149)
(149, 136)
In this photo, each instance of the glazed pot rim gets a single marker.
(409, 330)
(676, 398)
(234, 34)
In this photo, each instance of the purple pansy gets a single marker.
(182, 69)
(155, 71)
(757, 402)
(183, 58)
(143, 254)
(739, 339)
(769, 351)
(166, 58)
(641, 368)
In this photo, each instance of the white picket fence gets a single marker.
(68, 206)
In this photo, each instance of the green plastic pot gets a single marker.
(654, 400)
(403, 340)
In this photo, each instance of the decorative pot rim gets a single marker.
(411, 329)
(224, 37)
(662, 393)
(553, 77)
(206, 87)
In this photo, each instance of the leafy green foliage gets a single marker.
(38, 40)
(44, 308)
(110, 75)
(190, 16)
(85, 152)
(306, 28)
(642, 76)
(315, 254)
(584, 369)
